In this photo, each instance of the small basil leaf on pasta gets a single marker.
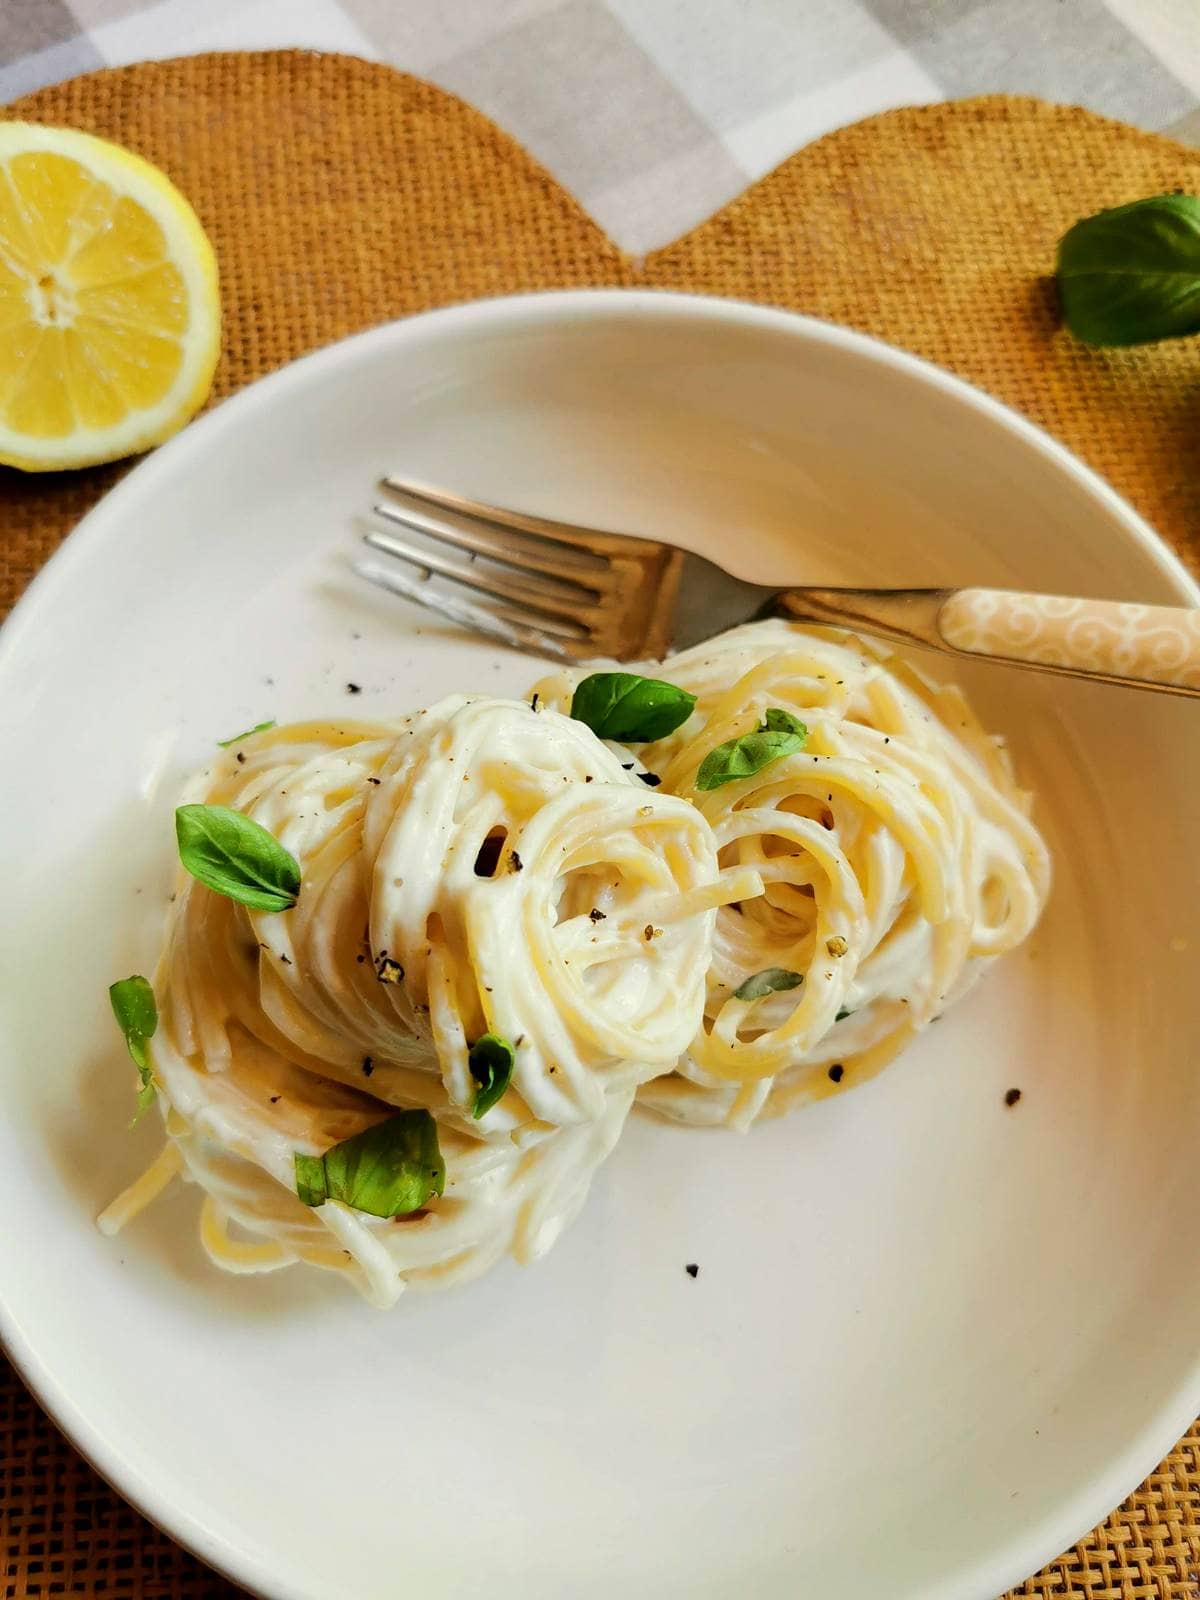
(629, 708)
(770, 981)
(388, 1170)
(234, 856)
(779, 734)
(491, 1061)
(259, 727)
(1131, 275)
(310, 1179)
(132, 1001)
(145, 1099)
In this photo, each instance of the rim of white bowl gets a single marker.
(992, 1573)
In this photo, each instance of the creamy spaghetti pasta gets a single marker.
(896, 851)
(496, 929)
(481, 868)
(235, 1131)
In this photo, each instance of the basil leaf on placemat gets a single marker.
(236, 857)
(1132, 275)
(387, 1170)
(491, 1061)
(630, 709)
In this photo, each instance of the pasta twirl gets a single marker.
(897, 855)
(589, 936)
(479, 868)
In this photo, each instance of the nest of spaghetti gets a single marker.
(895, 847)
(499, 933)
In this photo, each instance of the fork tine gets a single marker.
(571, 534)
(542, 596)
(496, 622)
(522, 552)
(595, 593)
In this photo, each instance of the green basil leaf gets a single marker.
(491, 1060)
(770, 981)
(842, 1015)
(145, 1099)
(1132, 275)
(259, 727)
(234, 856)
(777, 720)
(630, 709)
(310, 1179)
(779, 734)
(387, 1170)
(132, 1001)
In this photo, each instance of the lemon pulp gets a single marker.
(109, 313)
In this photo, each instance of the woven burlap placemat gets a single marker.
(340, 194)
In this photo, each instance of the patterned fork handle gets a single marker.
(1114, 641)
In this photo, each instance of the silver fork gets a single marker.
(577, 593)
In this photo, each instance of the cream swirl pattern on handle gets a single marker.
(1113, 638)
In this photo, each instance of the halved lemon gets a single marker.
(109, 315)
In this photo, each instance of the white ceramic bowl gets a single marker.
(932, 1340)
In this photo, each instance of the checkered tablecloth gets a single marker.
(655, 112)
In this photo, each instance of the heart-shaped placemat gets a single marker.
(341, 194)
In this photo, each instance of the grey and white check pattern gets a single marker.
(655, 112)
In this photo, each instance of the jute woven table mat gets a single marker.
(340, 194)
